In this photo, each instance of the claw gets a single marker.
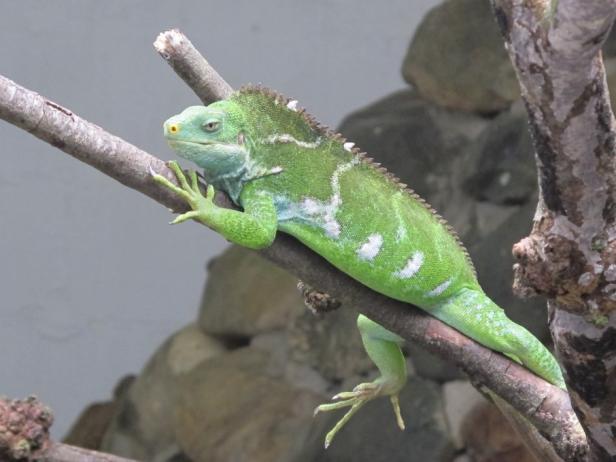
(185, 217)
(333, 406)
(345, 395)
(194, 181)
(169, 185)
(395, 402)
(354, 408)
(179, 173)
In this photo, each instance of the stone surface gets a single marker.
(430, 366)
(610, 70)
(91, 425)
(423, 144)
(330, 343)
(488, 437)
(609, 47)
(459, 397)
(282, 365)
(373, 436)
(246, 295)
(501, 168)
(457, 59)
(143, 427)
(232, 409)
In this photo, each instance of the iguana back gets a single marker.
(350, 210)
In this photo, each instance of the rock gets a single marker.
(423, 144)
(143, 427)
(609, 47)
(408, 134)
(501, 168)
(488, 437)
(89, 428)
(231, 409)
(430, 366)
(246, 295)
(460, 398)
(462, 458)
(373, 436)
(330, 343)
(92, 424)
(282, 364)
(457, 59)
(610, 71)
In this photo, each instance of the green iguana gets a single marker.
(289, 173)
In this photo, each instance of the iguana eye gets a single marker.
(211, 125)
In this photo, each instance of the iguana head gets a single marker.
(210, 136)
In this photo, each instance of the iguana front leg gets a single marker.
(254, 228)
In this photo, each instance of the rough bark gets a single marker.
(545, 405)
(570, 254)
(24, 436)
(175, 48)
(58, 452)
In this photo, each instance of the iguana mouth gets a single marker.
(202, 143)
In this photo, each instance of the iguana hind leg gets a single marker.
(383, 347)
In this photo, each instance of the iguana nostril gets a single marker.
(174, 128)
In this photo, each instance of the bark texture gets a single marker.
(24, 436)
(570, 255)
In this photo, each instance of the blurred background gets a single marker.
(103, 302)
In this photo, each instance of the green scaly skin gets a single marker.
(288, 173)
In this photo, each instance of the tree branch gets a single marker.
(545, 405)
(24, 436)
(59, 452)
(191, 66)
(570, 255)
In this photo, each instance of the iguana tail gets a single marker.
(476, 315)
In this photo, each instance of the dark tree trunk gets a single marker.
(570, 255)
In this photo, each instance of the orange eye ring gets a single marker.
(174, 128)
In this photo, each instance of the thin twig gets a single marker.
(191, 66)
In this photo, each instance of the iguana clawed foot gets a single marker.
(190, 192)
(355, 399)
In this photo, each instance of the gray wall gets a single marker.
(92, 278)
